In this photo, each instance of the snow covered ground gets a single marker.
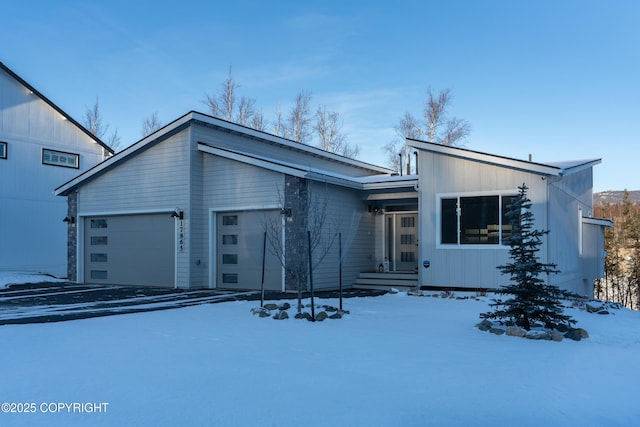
(396, 360)
(20, 277)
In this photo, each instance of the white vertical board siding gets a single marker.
(34, 238)
(346, 213)
(569, 199)
(468, 266)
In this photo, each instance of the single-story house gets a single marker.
(204, 203)
(41, 146)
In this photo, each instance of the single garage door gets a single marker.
(130, 250)
(239, 251)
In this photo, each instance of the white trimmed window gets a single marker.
(60, 158)
(473, 219)
(3, 150)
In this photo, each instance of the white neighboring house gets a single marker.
(187, 207)
(40, 147)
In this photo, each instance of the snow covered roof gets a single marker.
(562, 168)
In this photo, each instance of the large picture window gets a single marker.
(60, 158)
(3, 150)
(474, 220)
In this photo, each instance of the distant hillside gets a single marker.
(615, 197)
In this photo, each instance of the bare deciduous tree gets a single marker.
(93, 120)
(278, 126)
(436, 125)
(246, 111)
(94, 124)
(258, 122)
(151, 124)
(221, 105)
(328, 128)
(299, 120)
(307, 225)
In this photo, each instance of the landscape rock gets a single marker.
(514, 331)
(556, 336)
(336, 315)
(583, 333)
(485, 325)
(538, 334)
(573, 335)
(497, 331)
(591, 309)
(603, 312)
(321, 316)
(261, 311)
(330, 309)
(304, 315)
(281, 315)
(271, 306)
(285, 306)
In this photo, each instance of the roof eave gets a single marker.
(507, 162)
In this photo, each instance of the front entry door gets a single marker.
(401, 239)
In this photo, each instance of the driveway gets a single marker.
(56, 302)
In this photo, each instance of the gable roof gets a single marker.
(55, 107)
(194, 117)
(550, 168)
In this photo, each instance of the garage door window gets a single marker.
(229, 258)
(98, 240)
(98, 223)
(230, 220)
(99, 258)
(99, 274)
(229, 239)
(231, 278)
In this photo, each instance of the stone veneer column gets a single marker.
(72, 234)
(296, 198)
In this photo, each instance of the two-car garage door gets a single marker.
(130, 249)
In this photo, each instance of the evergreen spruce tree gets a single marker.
(532, 299)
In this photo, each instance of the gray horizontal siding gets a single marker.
(346, 214)
(154, 179)
(240, 143)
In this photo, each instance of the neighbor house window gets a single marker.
(3, 150)
(60, 158)
(474, 220)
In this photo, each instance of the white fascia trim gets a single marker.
(587, 165)
(130, 212)
(598, 221)
(390, 184)
(492, 159)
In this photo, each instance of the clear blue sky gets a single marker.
(557, 79)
